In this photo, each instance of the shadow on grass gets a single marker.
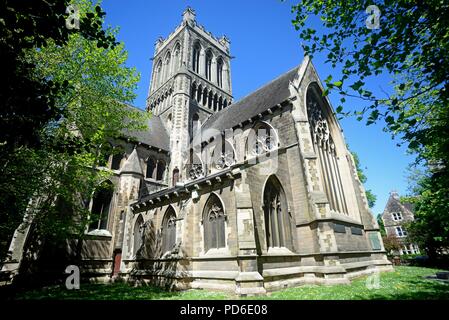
(116, 291)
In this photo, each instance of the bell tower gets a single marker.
(191, 80)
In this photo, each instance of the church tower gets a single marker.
(191, 80)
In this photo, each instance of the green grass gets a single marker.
(403, 283)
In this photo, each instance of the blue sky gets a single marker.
(265, 45)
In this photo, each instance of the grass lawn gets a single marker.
(404, 283)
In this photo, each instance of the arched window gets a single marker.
(196, 58)
(277, 218)
(223, 154)
(160, 170)
(199, 94)
(175, 176)
(167, 66)
(151, 166)
(220, 72)
(116, 160)
(326, 150)
(209, 65)
(210, 100)
(205, 95)
(214, 226)
(177, 58)
(169, 230)
(261, 139)
(159, 73)
(220, 103)
(215, 102)
(138, 234)
(101, 205)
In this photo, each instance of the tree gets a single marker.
(54, 180)
(430, 229)
(411, 46)
(391, 244)
(28, 101)
(381, 224)
(371, 197)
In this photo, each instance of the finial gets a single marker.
(188, 15)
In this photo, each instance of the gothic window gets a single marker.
(169, 230)
(138, 234)
(101, 205)
(199, 94)
(151, 166)
(175, 177)
(116, 161)
(159, 74)
(215, 102)
(167, 65)
(277, 217)
(205, 95)
(223, 155)
(214, 219)
(194, 166)
(196, 57)
(220, 103)
(177, 58)
(209, 100)
(160, 170)
(261, 139)
(209, 65)
(220, 72)
(326, 151)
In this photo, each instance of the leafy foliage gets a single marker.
(27, 100)
(430, 229)
(52, 181)
(381, 224)
(391, 244)
(412, 47)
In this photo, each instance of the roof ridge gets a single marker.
(216, 115)
(265, 85)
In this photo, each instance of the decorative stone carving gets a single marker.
(320, 127)
(263, 142)
(225, 160)
(196, 171)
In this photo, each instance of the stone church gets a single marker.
(248, 196)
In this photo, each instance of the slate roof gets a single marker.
(259, 101)
(155, 135)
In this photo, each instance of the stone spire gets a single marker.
(132, 164)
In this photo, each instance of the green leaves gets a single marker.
(357, 85)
